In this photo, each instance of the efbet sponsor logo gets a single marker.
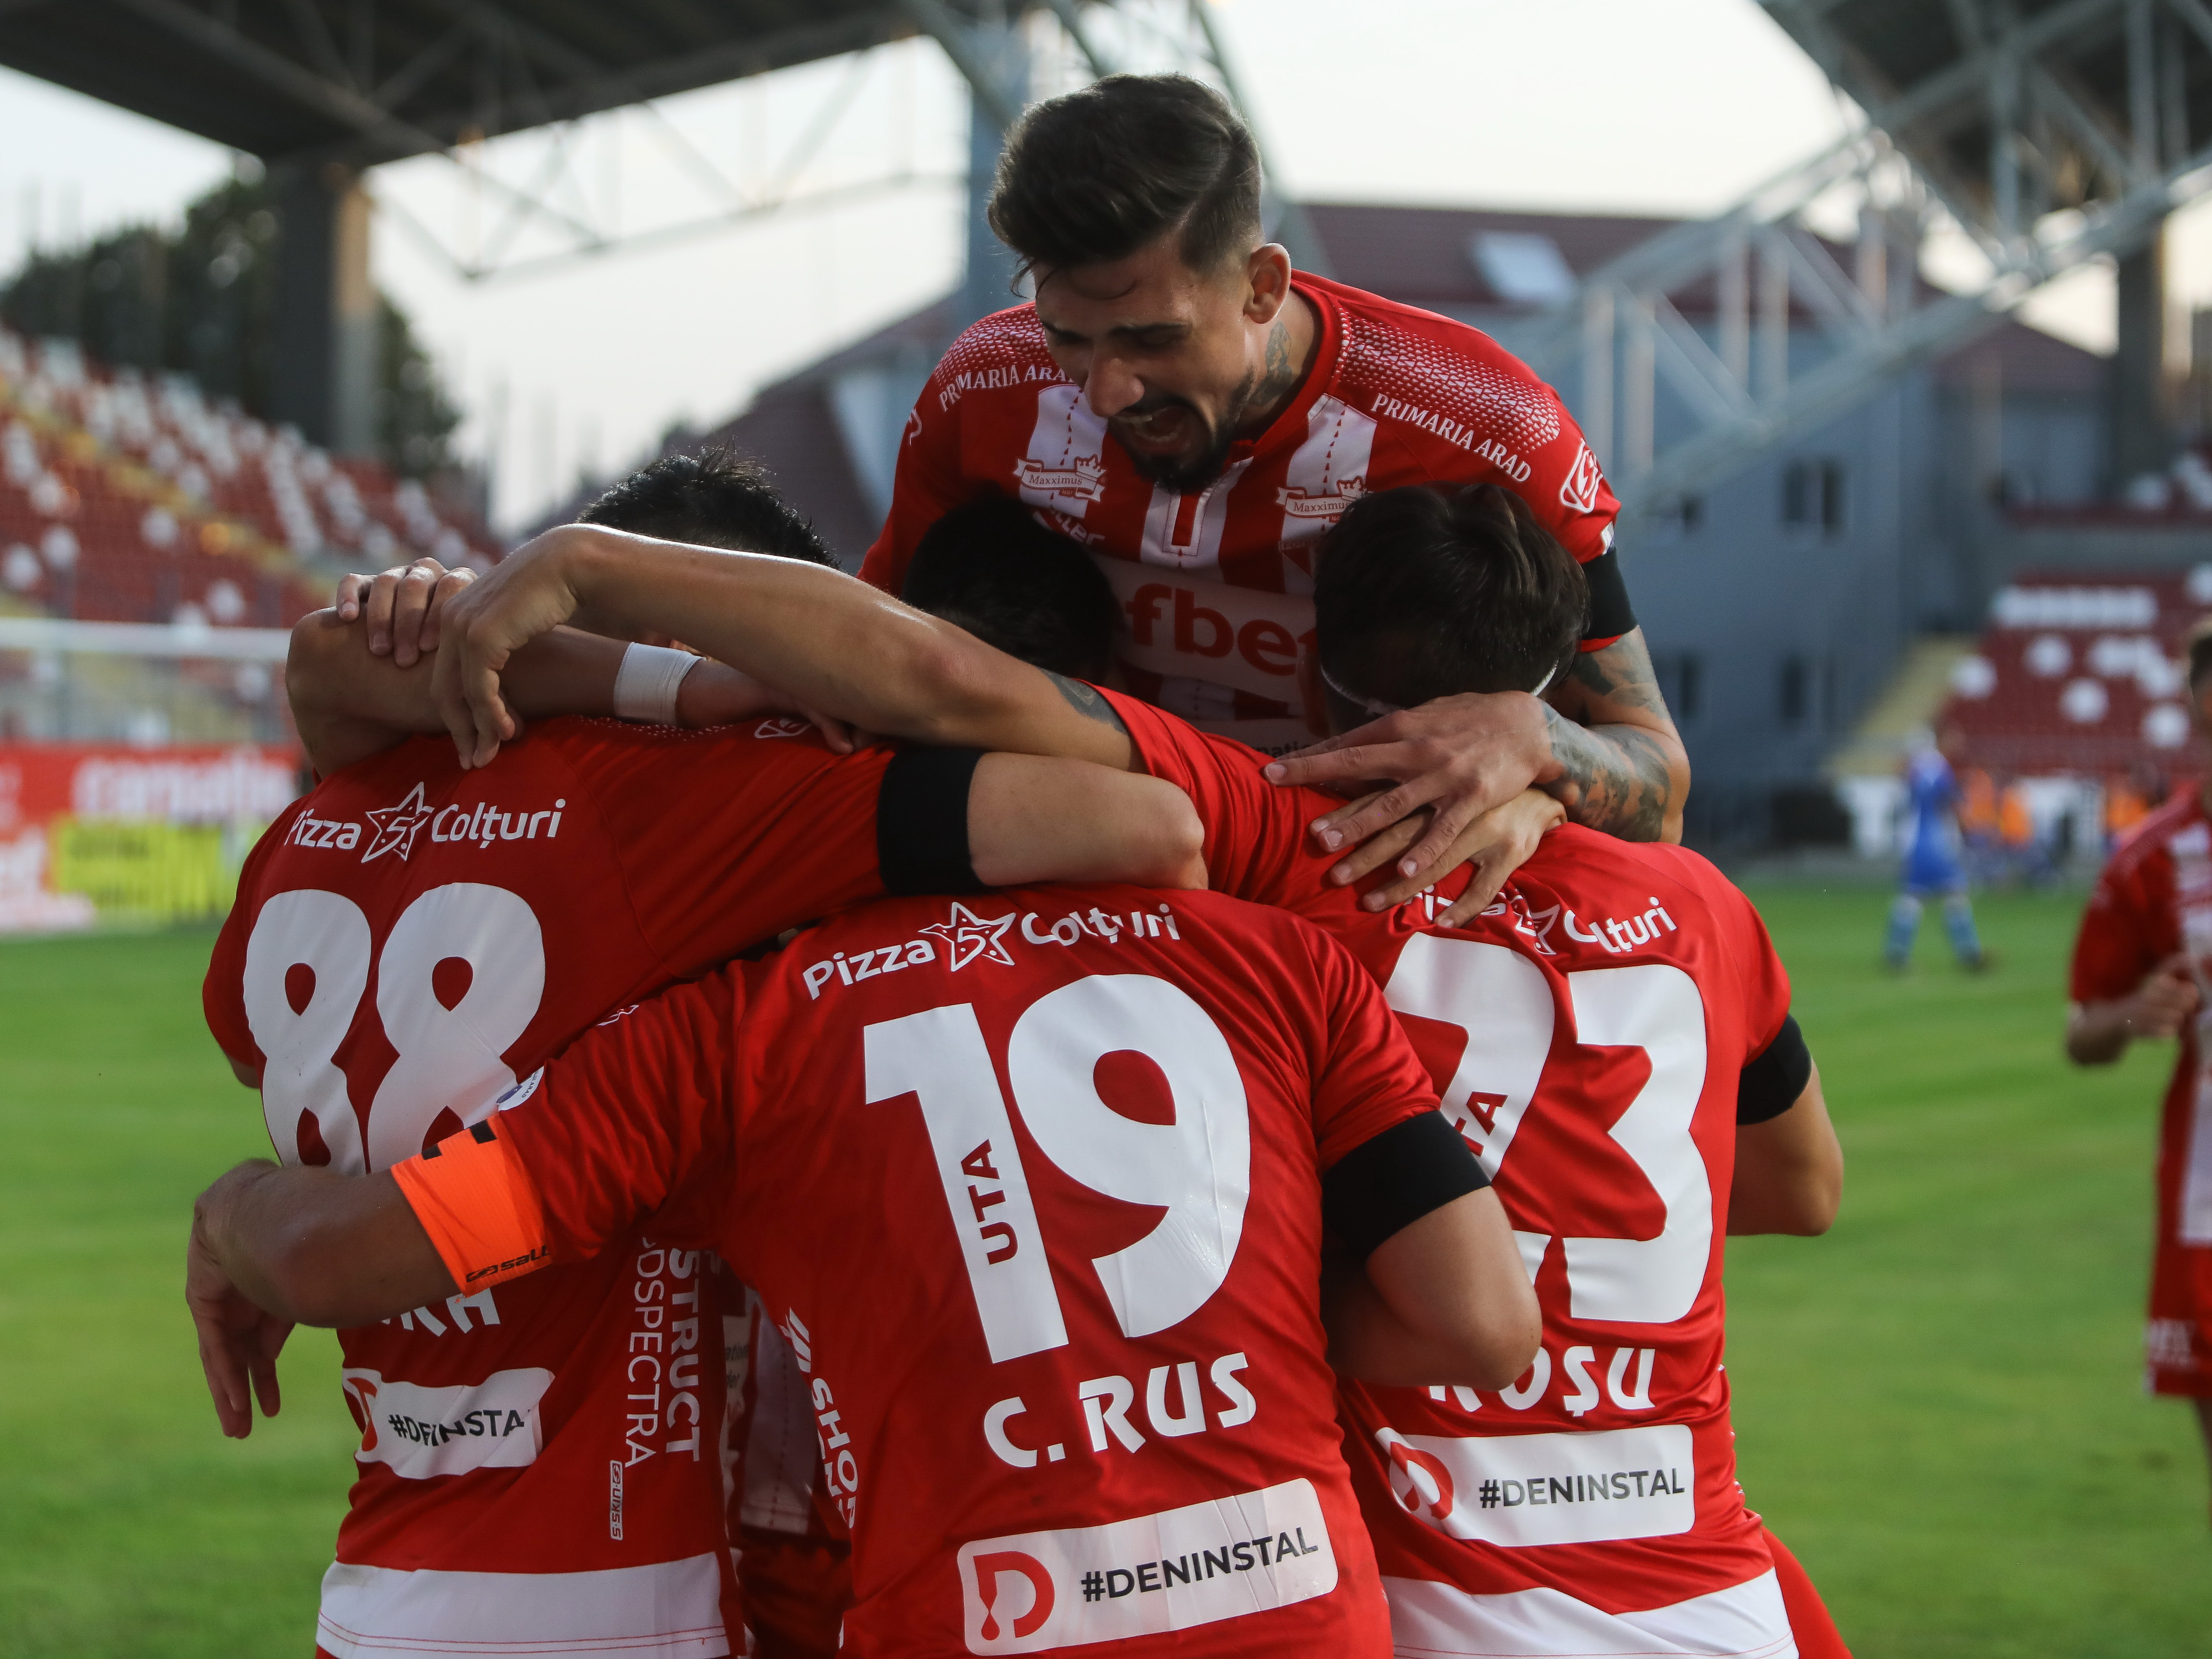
(965, 937)
(1085, 478)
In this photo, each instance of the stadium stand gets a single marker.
(125, 497)
(2080, 675)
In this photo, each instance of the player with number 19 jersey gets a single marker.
(407, 941)
(1586, 1034)
(1033, 1187)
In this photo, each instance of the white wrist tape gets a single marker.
(645, 684)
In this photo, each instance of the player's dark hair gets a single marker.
(1096, 174)
(992, 568)
(2198, 644)
(712, 498)
(1425, 592)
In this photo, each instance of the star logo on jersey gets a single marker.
(396, 826)
(970, 937)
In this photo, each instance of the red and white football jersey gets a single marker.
(1585, 1033)
(1217, 583)
(2155, 899)
(1032, 1184)
(407, 941)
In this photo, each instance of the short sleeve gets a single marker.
(1367, 1079)
(222, 993)
(727, 838)
(636, 1117)
(1256, 845)
(1764, 981)
(2116, 946)
(925, 485)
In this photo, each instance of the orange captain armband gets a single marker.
(477, 1203)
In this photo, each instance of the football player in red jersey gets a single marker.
(791, 1551)
(1624, 1229)
(2141, 967)
(1033, 1187)
(1612, 1037)
(409, 936)
(1199, 414)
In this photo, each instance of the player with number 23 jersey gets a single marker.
(1589, 1034)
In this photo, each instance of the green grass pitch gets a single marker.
(1938, 1404)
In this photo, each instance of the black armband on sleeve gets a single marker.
(1610, 614)
(1770, 1085)
(1391, 1182)
(922, 822)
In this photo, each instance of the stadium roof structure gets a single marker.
(2045, 133)
(362, 81)
(321, 89)
(2110, 91)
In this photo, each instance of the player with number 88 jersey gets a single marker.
(407, 941)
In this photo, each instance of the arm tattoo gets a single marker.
(1616, 779)
(1085, 700)
(1637, 686)
(1283, 372)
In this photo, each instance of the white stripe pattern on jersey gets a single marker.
(1431, 1620)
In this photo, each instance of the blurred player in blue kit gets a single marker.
(1932, 864)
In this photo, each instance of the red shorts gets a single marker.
(2178, 1340)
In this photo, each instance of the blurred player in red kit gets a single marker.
(1633, 1166)
(409, 940)
(1034, 1186)
(2141, 967)
(1197, 415)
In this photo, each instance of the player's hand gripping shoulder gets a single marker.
(1600, 743)
(1494, 846)
(2098, 1033)
(271, 1248)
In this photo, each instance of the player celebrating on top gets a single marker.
(1198, 415)
(2141, 968)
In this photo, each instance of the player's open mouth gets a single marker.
(1164, 431)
